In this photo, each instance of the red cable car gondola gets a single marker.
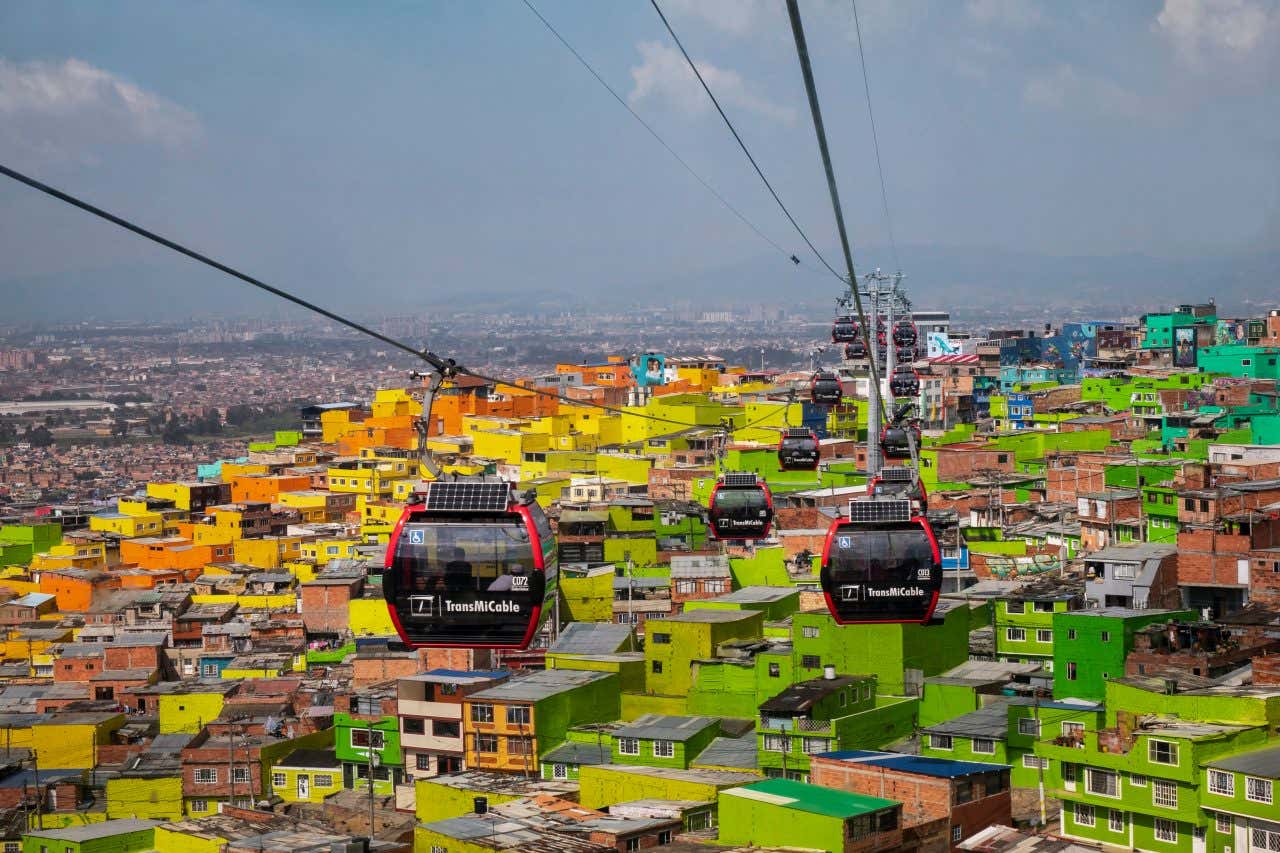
(904, 383)
(900, 482)
(470, 565)
(798, 450)
(904, 334)
(855, 349)
(844, 330)
(741, 507)
(894, 442)
(882, 564)
(825, 389)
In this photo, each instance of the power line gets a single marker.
(440, 364)
(875, 141)
(742, 144)
(578, 56)
(811, 89)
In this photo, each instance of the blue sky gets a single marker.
(394, 148)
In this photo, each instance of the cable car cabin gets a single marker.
(855, 349)
(900, 482)
(904, 384)
(894, 443)
(904, 334)
(472, 565)
(881, 565)
(798, 450)
(825, 389)
(741, 507)
(844, 329)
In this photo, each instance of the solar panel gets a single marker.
(740, 479)
(468, 497)
(898, 474)
(797, 432)
(874, 512)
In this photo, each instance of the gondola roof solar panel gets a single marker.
(740, 479)
(468, 497)
(878, 512)
(898, 474)
(798, 432)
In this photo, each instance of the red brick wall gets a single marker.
(324, 606)
(133, 657)
(1209, 557)
(1266, 670)
(77, 669)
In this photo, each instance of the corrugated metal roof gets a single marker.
(941, 767)
(664, 727)
(592, 638)
(814, 799)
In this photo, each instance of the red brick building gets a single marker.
(945, 801)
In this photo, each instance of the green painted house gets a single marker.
(674, 643)
(1006, 732)
(1239, 796)
(1090, 647)
(370, 725)
(1023, 621)
(826, 715)
(783, 813)
(656, 740)
(110, 836)
(900, 656)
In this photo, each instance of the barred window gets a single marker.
(1164, 793)
(1221, 782)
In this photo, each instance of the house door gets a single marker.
(304, 786)
(1197, 839)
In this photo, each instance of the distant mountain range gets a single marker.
(937, 277)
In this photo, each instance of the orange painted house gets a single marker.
(172, 552)
(266, 487)
(76, 589)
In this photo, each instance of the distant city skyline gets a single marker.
(415, 156)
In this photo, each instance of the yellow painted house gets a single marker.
(146, 795)
(306, 776)
(185, 706)
(268, 552)
(68, 555)
(62, 740)
(369, 617)
(322, 551)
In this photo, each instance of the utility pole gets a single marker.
(873, 383)
(231, 765)
(369, 755)
(35, 768)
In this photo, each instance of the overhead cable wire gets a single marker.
(875, 140)
(802, 51)
(431, 358)
(742, 144)
(791, 256)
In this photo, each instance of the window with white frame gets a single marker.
(809, 631)
(1137, 780)
(664, 749)
(199, 806)
(278, 780)
(1043, 606)
(1044, 635)
(776, 743)
(939, 741)
(1166, 830)
(1115, 820)
(1164, 793)
(1104, 783)
(1015, 635)
(559, 771)
(206, 776)
(1223, 823)
(984, 746)
(1084, 814)
(628, 746)
(1222, 783)
(1264, 839)
(815, 745)
(362, 738)
(1162, 752)
(1029, 726)
(517, 715)
(1257, 790)
(1073, 730)
(240, 775)
(1034, 762)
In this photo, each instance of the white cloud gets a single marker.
(1233, 28)
(1068, 90)
(663, 74)
(64, 109)
(1015, 14)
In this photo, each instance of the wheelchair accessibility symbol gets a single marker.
(844, 541)
(417, 537)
